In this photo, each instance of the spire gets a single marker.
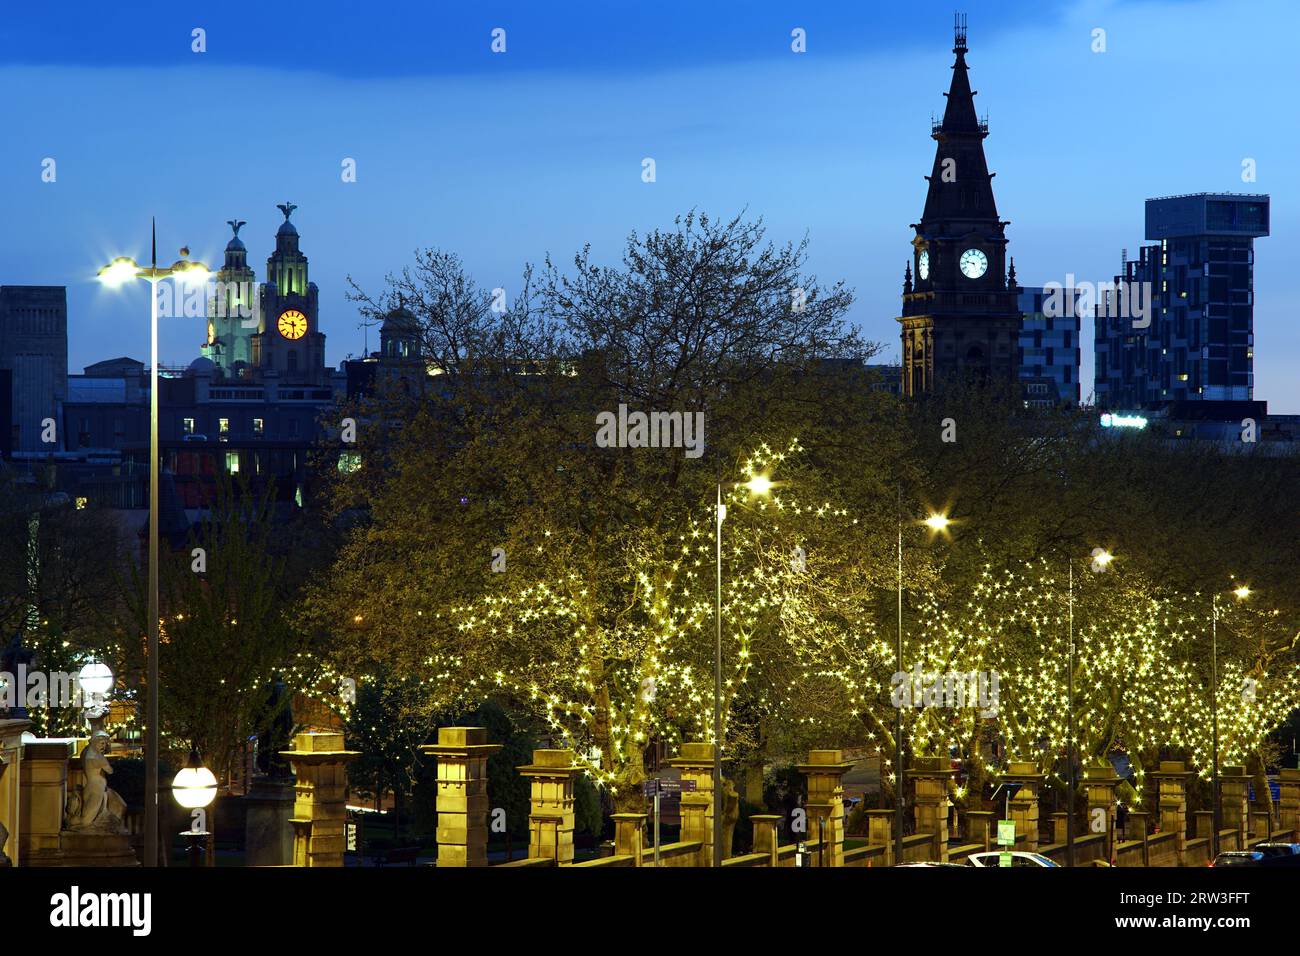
(907, 278)
(960, 188)
(959, 115)
(1011, 274)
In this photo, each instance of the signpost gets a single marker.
(657, 788)
(1006, 838)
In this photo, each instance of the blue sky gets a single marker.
(505, 157)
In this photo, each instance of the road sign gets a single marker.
(667, 787)
(1006, 833)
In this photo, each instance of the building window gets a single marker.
(257, 426)
(223, 428)
(187, 426)
(232, 462)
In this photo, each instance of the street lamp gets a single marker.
(1101, 559)
(938, 523)
(95, 680)
(194, 789)
(116, 273)
(757, 485)
(1240, 593)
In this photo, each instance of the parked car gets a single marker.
(1278, 849)
(1018, 858)
(960, 866)
(1238, 858)
(1279, 854)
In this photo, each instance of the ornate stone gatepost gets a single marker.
(1233, 782)
(1024, 805)
(11, 782)
(1172, 781)
(1100, 781)
(629, 835)
(44, 793)
(825, 771)
(550, 819)
(1288, 804)
(696, 763)
(931, 776)
(462, 797)
(319, 763)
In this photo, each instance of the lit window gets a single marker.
(187, 426)
(232, 462)
(257, 426)
(223, 426)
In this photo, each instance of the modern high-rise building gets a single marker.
(1049, 346)
(1180, 325)
(960, 317)
(34, 347)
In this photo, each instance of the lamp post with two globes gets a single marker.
(118, 272)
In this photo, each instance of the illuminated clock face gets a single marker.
(292, 324)
(973, 263)
(923, 264)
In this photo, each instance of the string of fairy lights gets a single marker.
(801, 632)
(804, 643)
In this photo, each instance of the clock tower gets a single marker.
(288, 342)
(961, 319)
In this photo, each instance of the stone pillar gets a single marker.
(1024, 805)
(1205, 825)
(1172, 781)
(931, 776)
(268, 834)
(1099, 782)
(11, 784)
(462, 798)
(319, 763)
(1233, 782)
(880, 832)
(825, 771)
(981, 828)
(1288, 804)
(550, 818)
(1060, 827)
(44, 796)
(629, 835)
(766, 838)
(1139, 829)
(696, 763)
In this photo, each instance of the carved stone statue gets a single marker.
(94, 807)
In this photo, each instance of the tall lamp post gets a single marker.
(1101, 559)
(1240, 593)
(935, 522)
(118, 272)
(758, 485)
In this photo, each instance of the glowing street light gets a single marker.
(115, 274)
(195, 788)
(938, 522)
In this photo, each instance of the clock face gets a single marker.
(973, 263)
(923, 264)
(292, 324)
